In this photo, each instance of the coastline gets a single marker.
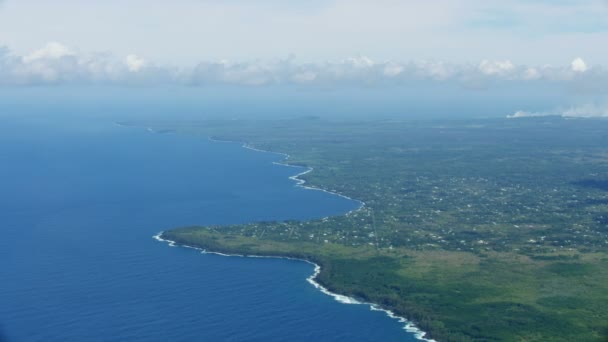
(299, 182)
(409, 326)
(444, 279)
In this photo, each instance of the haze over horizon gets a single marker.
(473, 46)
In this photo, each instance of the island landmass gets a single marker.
(475, 230)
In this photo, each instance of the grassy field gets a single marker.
(485, 230)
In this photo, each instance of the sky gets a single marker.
(472, 44)
(184, 32)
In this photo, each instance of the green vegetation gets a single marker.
(485, 230)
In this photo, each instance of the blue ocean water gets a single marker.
(79, 204)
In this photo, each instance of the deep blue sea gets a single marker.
(79, 204)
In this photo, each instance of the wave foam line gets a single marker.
(296, 178)
(410, 327)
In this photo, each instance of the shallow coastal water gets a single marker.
(80, 203)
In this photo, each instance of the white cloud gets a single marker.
(532, 74)
(52, 50)
(305, 76)
(579, 65)
(583, 111)
(58, 64)
(524, 114)
(393, 69)
(586, 111)
(360, 62)
(438, 71)
(135, 63)
(496, 67)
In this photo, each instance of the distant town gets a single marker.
(487, 205)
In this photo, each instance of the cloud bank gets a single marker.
(56, 64)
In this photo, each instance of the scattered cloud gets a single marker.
(583, 111)
(586, 111)
(58, 64)
(135, 63)
(52, 50)
(525, 114)
(496, 67)
(579, 65)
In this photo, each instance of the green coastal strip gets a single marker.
(486, 230)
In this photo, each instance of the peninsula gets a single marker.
(476, 230)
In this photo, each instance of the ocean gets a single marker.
(80, 202)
